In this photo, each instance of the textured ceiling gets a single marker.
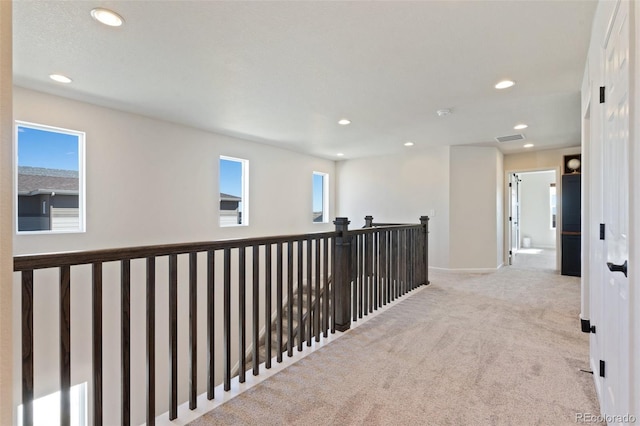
(283, 73)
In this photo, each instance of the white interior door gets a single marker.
(616, 322)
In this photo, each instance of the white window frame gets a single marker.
(244, 188)
(325, 196)
(82, 207)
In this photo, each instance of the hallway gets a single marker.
(502, 348)
(541, 259)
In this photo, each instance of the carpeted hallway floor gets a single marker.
(470, 349)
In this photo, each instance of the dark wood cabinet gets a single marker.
(571, 223)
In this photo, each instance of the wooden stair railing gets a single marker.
(368, 268)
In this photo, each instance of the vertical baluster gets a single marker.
(383, 267)
(242, 340)
(376, 276)
(193, 330)
(416, 257)
(255, 295)
(368, 259)
(279, 300)
(267, 309)
(309, 292)
(290, 298)
(317, 306)
(97, 343)
(362, 296)
(125, 341)
(65, 345)
(333, 285)
(173, 337)
(400, 264)
(353, 275)
(390, 258)
(211, 259)
(410, 254)
(227, 319)
(394, 263)
(327, 290)
(403, 262)
(300, 266)
(151, 341)
(405, 259)
(27, 347)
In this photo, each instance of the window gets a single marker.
(320, 204)
(50, 179)
(234, 203)
(552, 204)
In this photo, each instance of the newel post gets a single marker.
(368, 221)
(424, 221)
(343, 274)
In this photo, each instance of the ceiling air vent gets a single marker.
(510, 138)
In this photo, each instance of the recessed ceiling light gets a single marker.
(107, 17)
(60, 78)
(443, 112)
(344, 122)
(528, 145)
(340, 154)
(408, 144)
(505, 84)
(520, 126)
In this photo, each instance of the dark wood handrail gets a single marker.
(71, 258)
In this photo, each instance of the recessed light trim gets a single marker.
(443, 112)
(107, 17)
(528, 145)
(340, 154)
(60, 78)
(344, 122)
(504, 84)
(408, 143)
(520, 126)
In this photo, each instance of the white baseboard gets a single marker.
(468, 270)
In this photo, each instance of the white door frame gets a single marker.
(507, 224)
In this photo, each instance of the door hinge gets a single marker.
(510, 219)
(602, 231)
(602, 366)
(601, 94)
(586, 327)
(510, 184)
(510, 253)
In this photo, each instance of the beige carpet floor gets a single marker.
(536, 258)
(470, 349)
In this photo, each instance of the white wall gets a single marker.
(150, 182)
(400, 189)
(474, 208)
(538, 160)
(6, 214)
(535, 208)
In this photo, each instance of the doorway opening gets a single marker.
(533, 219)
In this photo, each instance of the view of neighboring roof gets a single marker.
(228, 197)
(39, 180)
